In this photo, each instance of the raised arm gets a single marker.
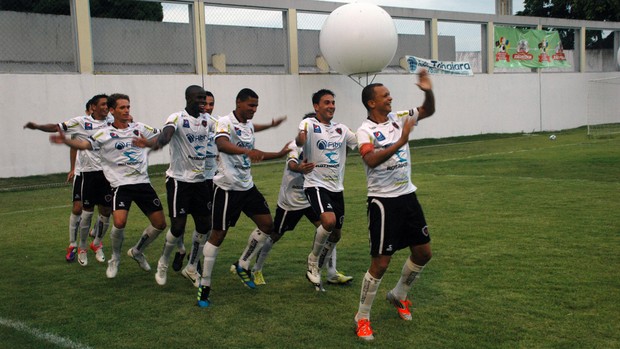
(428, 106)
(274, 123)
(375, 157)
(72, 142)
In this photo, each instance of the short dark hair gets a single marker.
(309, 115)
(316, 97)
(96, 98)
(246, 94)
(193, 89)
(368, 93)
(209, 94)
(114, 97)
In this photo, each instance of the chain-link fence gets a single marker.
(308, 29)
(35, 42)
(241, 40)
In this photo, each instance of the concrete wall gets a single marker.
(496, 103)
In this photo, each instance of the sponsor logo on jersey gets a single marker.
(317, 128)
(379, 136)
(237, 131)
(245, 145)
(328, 145)
(88, 126)
(186, 123)
(329, 157)
(122, 145)
(195, 138)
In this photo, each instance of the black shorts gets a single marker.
(142, 194)
(228, 205)
(189, 198)
(395, 223)
(322, 200)
(287, 220)
(96, 190)
(78, 182)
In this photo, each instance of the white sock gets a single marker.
(148, 235)
(85, 220)
(210, 253)
(408, 276)
(181, 244)
(326, 252)
(370, 285)
(117, 236)
(319, 241)
(263, 254)
(101, 227)
(331, 264)
(169, 245)
(255, 243)
(74, 225)
(196, 251)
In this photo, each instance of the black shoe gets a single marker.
(177, 264)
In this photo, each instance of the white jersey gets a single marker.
(122, 162)
(188, 147)
(233, 170)
(292, 196)
(211, 157)
(391, 178)
(82, 127)
(326, 147)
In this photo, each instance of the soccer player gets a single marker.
(235, 191)
(125, 166)
(90, 186)
(292, 206)
(188, 191)
(396, 220)
(324, 144)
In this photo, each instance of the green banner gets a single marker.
(528, 48)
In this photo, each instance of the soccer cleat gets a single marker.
(339, 279)
(192, 276)
(313, 274)
(71, 252)
(177, 263)
(82, 257)
(258, 277)
(203, 296)
(401, 306)
(161, 274)
(244, 275)
(112, 268)
(99, 255)
(363, 330)
(139, 257)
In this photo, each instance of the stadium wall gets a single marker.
(485, 103)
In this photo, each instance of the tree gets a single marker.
(127, 9)
(600, 10)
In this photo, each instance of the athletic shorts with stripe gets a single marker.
(228, 205)
(287, 220)
(78, 182)
(189, 198)
(96, 189)
(322, 200)
(142, 194)
(395, 223)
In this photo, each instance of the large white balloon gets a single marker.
(358, 38)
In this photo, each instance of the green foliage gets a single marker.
(526, 253)
(126, 9)
(602, 10)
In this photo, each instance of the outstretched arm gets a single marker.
(155, 143)
(45, 127)
(276, 155)
(72, 142)
(274, 123)
(428, 106)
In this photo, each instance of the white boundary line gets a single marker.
(45, 336)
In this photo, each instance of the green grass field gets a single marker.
(525, 234)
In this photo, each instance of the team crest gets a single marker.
(204, 123)
(339, 130)
(379, 136)
(317, 128)
(88, 126)
(396, 126)
(113, 135)
(136, 132)
(186, 123)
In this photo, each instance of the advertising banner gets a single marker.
(528, 48)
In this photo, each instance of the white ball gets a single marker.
(358, 38)
(552, 137)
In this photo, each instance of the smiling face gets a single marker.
(210, 105)
(121, 111)
(382, 101)
(196, 101)
(100, 109)
(325, 109)
(246, 109)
